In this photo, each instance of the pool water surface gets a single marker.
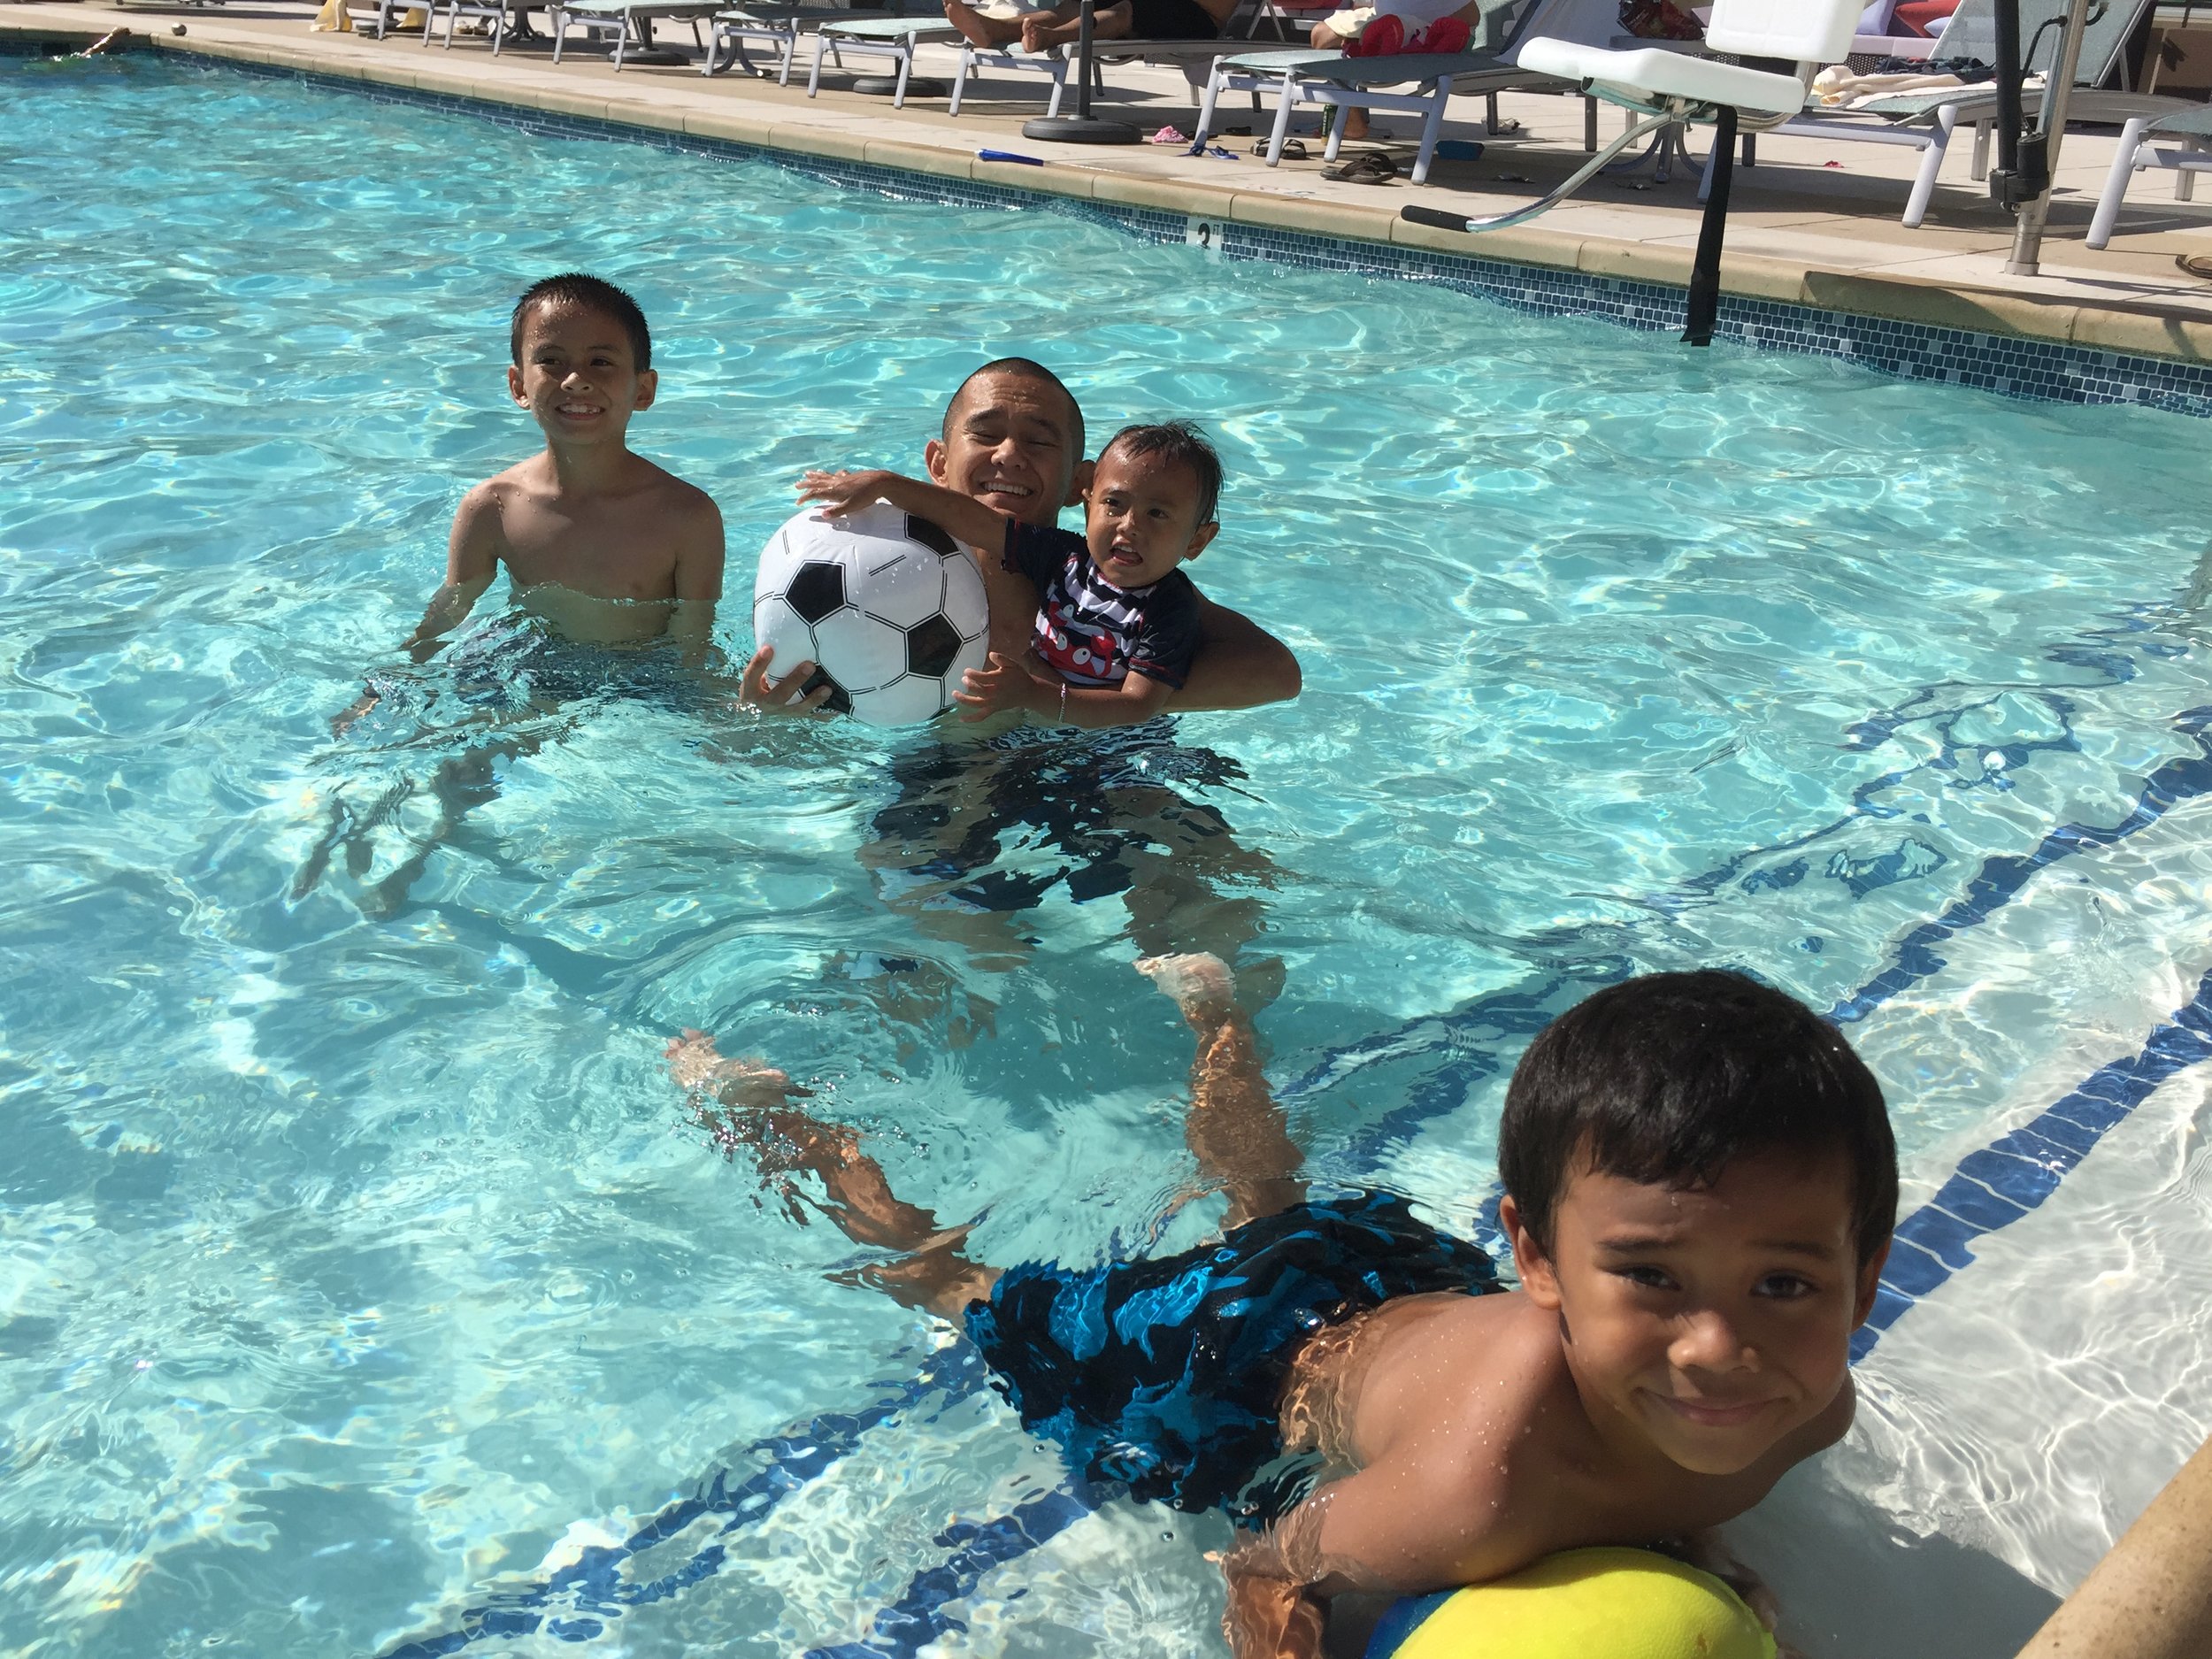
(359, 1269)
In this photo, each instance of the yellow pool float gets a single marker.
(1580, 1604)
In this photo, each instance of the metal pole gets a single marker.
(1082, 127)
(2058, 87)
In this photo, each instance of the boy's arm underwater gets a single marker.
(700, 551)
(471, 559)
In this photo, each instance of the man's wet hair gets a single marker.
(1179, 443)
(1668, 1079)
(587, 292)
(1021, 369)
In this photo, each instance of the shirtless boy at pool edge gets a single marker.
(1013, 440)
(1701, 1184)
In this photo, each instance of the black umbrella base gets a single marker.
(1079, 129)
(887, 87)
(653, 57)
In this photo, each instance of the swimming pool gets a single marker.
(360, 1270)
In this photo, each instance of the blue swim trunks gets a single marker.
(1167, 1375)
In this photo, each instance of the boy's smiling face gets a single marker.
(1142, 519)
(579, 376)
(1707, 1323)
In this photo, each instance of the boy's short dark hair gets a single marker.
(1022, 369)
(1179, 443)
(1668, 1079)
(587, 293)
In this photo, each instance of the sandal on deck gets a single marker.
(1373, 167)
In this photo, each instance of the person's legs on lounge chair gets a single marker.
(1131, 20)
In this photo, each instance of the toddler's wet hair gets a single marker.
(1179, 443)
(587, 292)
(1668, 1079)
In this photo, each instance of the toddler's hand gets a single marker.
(1000, 684)
(841, 493)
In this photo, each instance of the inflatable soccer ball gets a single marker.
(888, 606)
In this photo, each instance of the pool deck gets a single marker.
(1814, 223)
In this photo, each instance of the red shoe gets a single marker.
(1384, 37)
(1446, 35)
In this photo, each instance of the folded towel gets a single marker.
(1838, 88)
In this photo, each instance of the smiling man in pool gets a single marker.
(1701, 1180)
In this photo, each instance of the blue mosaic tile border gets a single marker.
(2036, 370)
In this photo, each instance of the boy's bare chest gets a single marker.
(613, 550)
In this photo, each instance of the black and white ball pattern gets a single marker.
(889, 607)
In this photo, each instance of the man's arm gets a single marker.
(699, 555)
(1239, 665)
(968, 521)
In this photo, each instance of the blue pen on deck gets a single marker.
(1008, 155)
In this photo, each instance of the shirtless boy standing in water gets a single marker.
(1701, 1186)
(601, 545)
(606, 546)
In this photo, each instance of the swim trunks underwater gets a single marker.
(1166, 1375)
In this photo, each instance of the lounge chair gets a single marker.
(1312, 77)
(1925, 120)
(2191, 124)
(495, 12)
(627, 21)
(1192, 56)
(773, 25)
(398, 14)
(894, 38)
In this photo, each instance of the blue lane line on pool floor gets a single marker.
(1996, 1185)
(575, 1603)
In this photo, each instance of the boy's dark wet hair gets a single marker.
(1179, 443)
(1668, 1079)
(587, 292)
(1021, 369)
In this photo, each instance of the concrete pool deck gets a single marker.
(1815, 223)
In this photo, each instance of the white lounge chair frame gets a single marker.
(894, 38)
(779, 27)
(2135, 154)
(627, 21)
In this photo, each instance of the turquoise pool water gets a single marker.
(355, 1260)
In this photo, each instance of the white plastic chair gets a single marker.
(1684, 88)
